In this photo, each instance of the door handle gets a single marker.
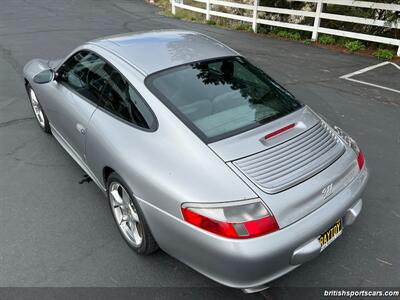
(81, 129)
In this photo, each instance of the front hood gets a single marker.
(53, 64)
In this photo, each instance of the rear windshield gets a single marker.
(221, 97)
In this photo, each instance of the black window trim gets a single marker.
(148, 81)
(69, 87)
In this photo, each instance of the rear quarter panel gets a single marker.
(166, 167)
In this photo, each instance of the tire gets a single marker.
(137, 235)
(38, 112)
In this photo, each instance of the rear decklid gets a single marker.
(276, 164)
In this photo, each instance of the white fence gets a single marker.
(318, 14)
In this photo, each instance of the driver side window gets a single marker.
(86, 73)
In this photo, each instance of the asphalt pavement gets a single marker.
(58, 232)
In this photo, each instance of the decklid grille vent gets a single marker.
(293, 161)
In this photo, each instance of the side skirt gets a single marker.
(71, 151)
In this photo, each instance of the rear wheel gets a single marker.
(40, 116)
(129, 217)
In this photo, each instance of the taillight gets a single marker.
(238, 220)
(352, 143)
(360, 160)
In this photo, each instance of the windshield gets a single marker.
(221, 97)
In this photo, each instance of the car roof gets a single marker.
(153, 51)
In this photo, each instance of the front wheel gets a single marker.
(129, 217)
(40, 116)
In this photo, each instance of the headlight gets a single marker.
(238, 220)
(352, 143)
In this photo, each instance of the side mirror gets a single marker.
(44, 77)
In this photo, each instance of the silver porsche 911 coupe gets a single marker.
(201, 153)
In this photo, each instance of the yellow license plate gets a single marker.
(331, 234)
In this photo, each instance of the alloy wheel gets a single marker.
(37, 109)
(125, 214)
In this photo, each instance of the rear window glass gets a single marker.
(222, 97)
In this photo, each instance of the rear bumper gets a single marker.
(249, 264)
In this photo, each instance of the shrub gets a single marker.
(384, 54)
(307, 42)
(295, 36)
(282, 33)
(243, 27)
(353, 46)
(263, 29)
(326, 39)
(289, 35)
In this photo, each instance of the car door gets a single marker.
(79, 83)
(123, 118)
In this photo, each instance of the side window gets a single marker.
(86, 73)
(122, 100)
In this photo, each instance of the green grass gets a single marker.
(289, 35)
(354, 46)
(189, 15)
(182, 14)
(307, 42)
(326, 39)
(384, 54)
(243, 27)
(263, 29)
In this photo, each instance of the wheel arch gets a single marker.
(106, 173)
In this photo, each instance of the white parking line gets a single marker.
(396, 65)
(348, 76)
(374, 85)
